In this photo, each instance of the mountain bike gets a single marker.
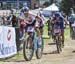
(58, 39)
(32, 43)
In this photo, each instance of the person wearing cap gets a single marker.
(14, 21)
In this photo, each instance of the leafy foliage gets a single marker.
(46, 4)
(66, 5)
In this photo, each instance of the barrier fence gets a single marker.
(7, 41)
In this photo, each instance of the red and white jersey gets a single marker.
(29, 19)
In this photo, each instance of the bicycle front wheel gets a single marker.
(28, 49)
(58, 45)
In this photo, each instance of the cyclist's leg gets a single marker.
(53, 31)
(62, 34)
(22, 32)
(37, 37)
(70, 29)
(53, 35)
(48, 22)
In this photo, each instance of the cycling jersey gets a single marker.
(29, 19)
(39, 20)
(61, 23)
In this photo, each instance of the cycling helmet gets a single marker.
(57, 14)
(24, 9)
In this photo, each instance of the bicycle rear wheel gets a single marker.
(40, 46)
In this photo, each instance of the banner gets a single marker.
(7, 41)
(4, 12)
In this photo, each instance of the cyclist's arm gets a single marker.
(38, 17)
(53, 19)
(66, 21)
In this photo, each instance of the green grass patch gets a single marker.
(45, 31)
(67, 34)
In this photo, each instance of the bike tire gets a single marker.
(24, 50)
(38, 56)
(58, 46)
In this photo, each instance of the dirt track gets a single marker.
(50, 56)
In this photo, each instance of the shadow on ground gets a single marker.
(53, 52)
(14, 60)
(73, 51)
(51, 43)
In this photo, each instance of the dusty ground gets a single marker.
(50, 56)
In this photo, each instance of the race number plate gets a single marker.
(30, 29)
(56, 30)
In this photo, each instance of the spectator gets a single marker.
(8, 19)
(71, 19)
(14, 21)
(3, 20)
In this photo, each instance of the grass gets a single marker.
(45, 33)
(67, 34)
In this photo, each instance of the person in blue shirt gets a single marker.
(59, 20)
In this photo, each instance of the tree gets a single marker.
(66, 5)
(46, 4)
(51, 1)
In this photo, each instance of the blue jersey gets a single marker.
(61, 23)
